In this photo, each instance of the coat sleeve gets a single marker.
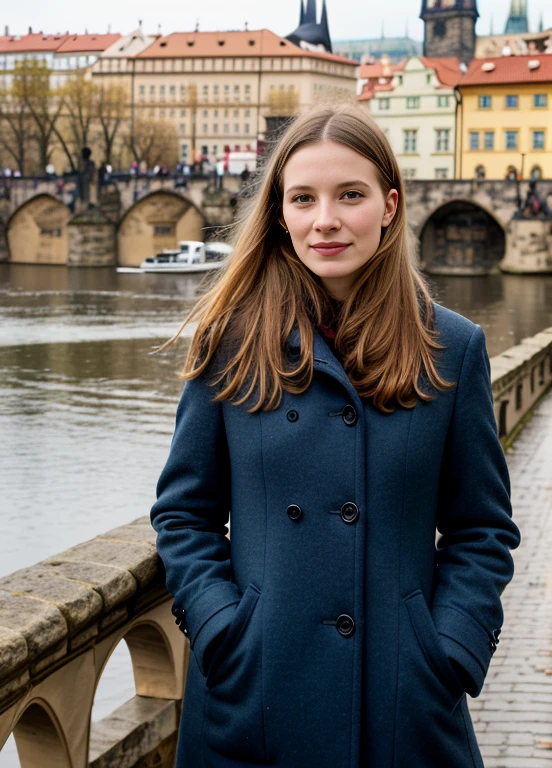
(474, 563)
(191, 516)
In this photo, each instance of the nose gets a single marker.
(326, 218)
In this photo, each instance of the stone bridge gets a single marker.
(464, 227)
(61, 620)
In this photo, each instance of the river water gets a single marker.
(87, 411)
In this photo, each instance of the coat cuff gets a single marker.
(465, 641)
(210, 613)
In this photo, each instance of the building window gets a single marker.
(536, 172)
(182, 128)
(540, 100)
(215, 113)
(511, 102)
(142, 90)
(226, 92)
(205, 127)
(410, 141)
(236, 114)
(152, 91)
(182, 113)
(248, 93)
(205, 91)
(236, 128)
(511, 139)
(215, 128)
(162, 92)
(428, 78)
(538, 139)
(441, 173)
(247, 112)
(172, 91)
(474, 140)
(413, 102)
(383, 103)
(443, 101)
(246, 128)
(236, 91)
(163, 230)
(489, 139)
(205, 113)
(226, 128)
(408, 173)
(183, 96)
(484, 102)
(442, 140)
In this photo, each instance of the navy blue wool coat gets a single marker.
(351, 636)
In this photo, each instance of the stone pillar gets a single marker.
(92, 241)
(528, 246)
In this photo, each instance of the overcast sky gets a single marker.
(351, 19)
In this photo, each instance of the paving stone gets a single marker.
(513, 713)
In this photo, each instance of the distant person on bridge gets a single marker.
(337, 418)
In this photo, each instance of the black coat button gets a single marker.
(345, 625)
(292, 415)
(294, 512)
(349, 416)
(349, 512)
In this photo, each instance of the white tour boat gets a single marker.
(190, 256)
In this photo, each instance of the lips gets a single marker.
(330, 249)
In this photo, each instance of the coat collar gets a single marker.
(324, 359)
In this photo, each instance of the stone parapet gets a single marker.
(520, 376)
(60, 620)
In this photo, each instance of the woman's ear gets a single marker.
(390, 207)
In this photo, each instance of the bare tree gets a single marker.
(31, 89)
(112, 111)
(15, 127)
(74, 130)
(155, 142)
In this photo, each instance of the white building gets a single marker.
(417, 112)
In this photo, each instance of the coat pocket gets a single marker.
(428, 640)
(233, 721)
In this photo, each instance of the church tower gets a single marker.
(517, 20)
(450, 28)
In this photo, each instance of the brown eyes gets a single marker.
(297, 198)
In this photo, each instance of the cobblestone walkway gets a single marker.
(513, 714)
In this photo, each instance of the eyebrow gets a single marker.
(353, 183)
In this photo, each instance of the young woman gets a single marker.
(337, 417)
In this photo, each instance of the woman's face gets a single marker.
(332, 197)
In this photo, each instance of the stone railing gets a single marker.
(61, 619)
(520, 376)
(59, 623)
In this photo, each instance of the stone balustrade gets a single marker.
(61, 619)
(520, 376)
(59, 623)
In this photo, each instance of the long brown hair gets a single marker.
(385, 333)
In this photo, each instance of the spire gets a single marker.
(541, 23)
(491, 31)
(302, 13)
(324, 27)
(310, 16)
(517, 21)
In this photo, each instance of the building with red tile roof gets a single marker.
(415, 105)
(504, 118)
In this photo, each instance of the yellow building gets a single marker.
(504, 125)
(218, 88)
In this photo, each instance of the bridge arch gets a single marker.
(461, 237)
(39, 738)
(37, 232)
(159, 220)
